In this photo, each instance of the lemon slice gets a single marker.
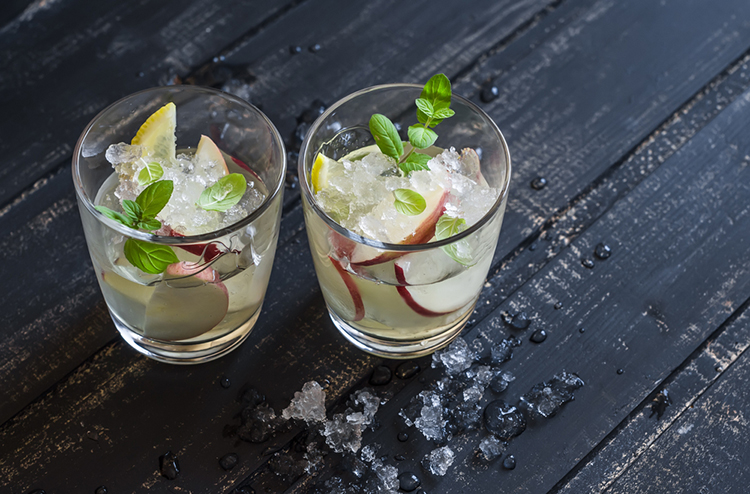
(157, 134)
(323, 170)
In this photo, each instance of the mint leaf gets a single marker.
(223, 194)
(386, 136)
(154, 197)
(460, 251)
(443, 113)
(438, 92)
(133, 210)
(415, 162)
(425, 106)
(114, 215)
(409, 202)
(149, 258)
(421, 137)
(150, 173)
(149, 224)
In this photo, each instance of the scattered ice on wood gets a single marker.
(308, 405)
(439, 460)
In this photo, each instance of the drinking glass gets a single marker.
(397, 300)
(202, 314)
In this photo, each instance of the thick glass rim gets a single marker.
(305, 182)
(188, 239)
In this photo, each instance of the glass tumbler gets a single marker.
(201, 313)
(369, 298)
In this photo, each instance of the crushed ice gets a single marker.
(308, 405)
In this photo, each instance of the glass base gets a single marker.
(400, 349)
(185, 353)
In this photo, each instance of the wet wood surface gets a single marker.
(637, 113)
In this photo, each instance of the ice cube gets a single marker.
(369, 452)
(121, 152)
(308, 405)
(546, 398)
(387, 476)
(365, 405)
(342, 435)
(490, 448)
(503, 350)
(431, 422)
(439, 460)
(456, 358)
(504, 420)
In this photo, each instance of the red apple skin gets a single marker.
(423, 233)
(359, 306)
(212, 250)
(209, 275)
(404, 292)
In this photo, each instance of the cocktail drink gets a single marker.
(180, 190)
(403, 232)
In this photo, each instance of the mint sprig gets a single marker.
(460, 251)
(433, 106)
(141, 214)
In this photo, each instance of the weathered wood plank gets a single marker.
(705, 449)
(646, 309)
(641, 433)
(62, 62)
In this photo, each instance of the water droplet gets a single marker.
(489, 93)
(169, 466)
(718, 368)
(408, 482)
(539, 336)
(558, 306)
(602, 251)
(587, 263)
(225, 382)
(538, 183)
(520, 321)
(620, 371)
(582, 330)
(403, 437)
(101, 490)
(509, 463)
(407, 370)
(229, 461)
(399, 457)
(314, 48)
(380, 376)
(294, 49)
(532, 247)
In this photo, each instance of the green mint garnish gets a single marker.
(386, 136)
(113, 215)
(223, 194)
(154, 197)
(150, 173)
(415, 161)
(421, 137)
(446, 227)
(409, 202)
(433, 106)
(141, 214)
(149, 258)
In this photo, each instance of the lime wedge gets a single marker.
(157, 134)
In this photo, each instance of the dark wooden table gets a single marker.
(637, 114)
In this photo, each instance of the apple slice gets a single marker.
(351, 286)
(211, 250)
(209, 155)
(190, 301)
(422, 230)
(426, 284)
(470, 159)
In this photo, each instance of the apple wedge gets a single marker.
(434, 285)
(351, 286)
(190, 300)
(209, 155)
(421, 226)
